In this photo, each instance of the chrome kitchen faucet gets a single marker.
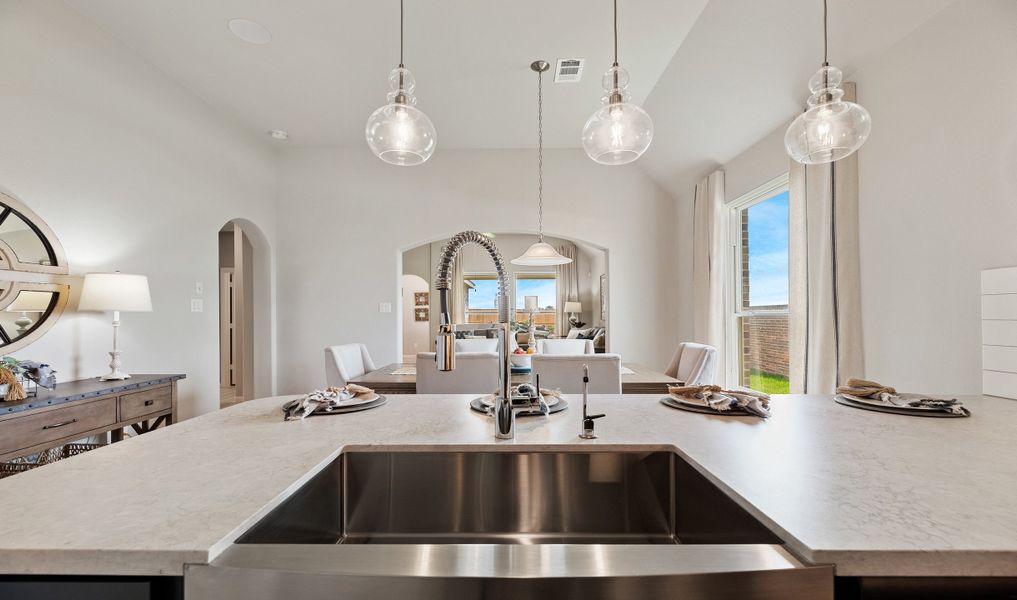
(445, 353)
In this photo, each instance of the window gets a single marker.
(758, 343)
(481, 297)
(545, 287)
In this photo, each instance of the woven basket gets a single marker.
(20, 465)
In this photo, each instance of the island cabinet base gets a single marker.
(70, 587)
(926, 588)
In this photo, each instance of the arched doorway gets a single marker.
(416, 326)
(245, 314)
(587, 291)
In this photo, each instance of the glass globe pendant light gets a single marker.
(619, 132)
(832, 128)
(399, 133)
(540, 254)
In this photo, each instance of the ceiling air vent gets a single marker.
(568, 70)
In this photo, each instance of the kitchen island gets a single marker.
(876, 495)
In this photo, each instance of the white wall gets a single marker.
(938, 193)
(134, 173)
(938, 184)
(339, 264)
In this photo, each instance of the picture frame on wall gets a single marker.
(603, 298)
(422, 314)
(421, 298)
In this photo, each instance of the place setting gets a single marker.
(870, 395)
(333, 401)
(714, 400)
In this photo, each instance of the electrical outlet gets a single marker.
(199, 288)
(385, 307)
(197, 305)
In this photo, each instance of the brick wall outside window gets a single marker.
(764, 339)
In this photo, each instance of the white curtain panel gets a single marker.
(825, 325)
(709, 266)
(568, 287)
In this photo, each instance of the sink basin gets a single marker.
(508, 498)
(506, 525)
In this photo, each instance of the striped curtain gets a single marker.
(568, 287)
(710, 273)
(824, 308)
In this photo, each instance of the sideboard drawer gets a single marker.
(146, 402)
(68, 420)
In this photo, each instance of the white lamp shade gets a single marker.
(541, 254)
(531, 303)
(115, 291)
(573, 307)
(31, 302)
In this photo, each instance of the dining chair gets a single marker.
(475, 373)
(565, 346)
(481, 345)
(345, 362)
(694, 364)
(565, 372)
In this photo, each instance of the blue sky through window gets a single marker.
(487, 289)
(483, 295)
(768, 251)
(544, 289)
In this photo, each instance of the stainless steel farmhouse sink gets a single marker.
(508, 524)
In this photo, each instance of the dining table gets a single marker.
(401, 378)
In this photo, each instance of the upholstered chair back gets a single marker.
(343, 363)
(695, 364)
(565, 346)
(475, 373)
(565, 372)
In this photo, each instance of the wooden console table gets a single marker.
(77, 409)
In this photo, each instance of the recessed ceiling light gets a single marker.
(249, 31)
(279, 134)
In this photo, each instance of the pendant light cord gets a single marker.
(401, 65)
(540, 155)
(826, 43)
(616, 33)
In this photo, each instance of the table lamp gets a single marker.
(573, 308)
(29, 302)
(116, 292)
(530, 302)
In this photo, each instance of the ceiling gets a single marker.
(715, 75)
(743, 71)
(327, 66)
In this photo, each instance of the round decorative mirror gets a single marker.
(31, 261)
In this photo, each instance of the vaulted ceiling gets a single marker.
(715, 75)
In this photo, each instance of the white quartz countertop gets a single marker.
(874, 493)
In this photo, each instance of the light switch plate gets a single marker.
(197, 305)
(385, 307)
(199, 288)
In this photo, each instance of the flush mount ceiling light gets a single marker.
(619, 132)
(832, 128)
(399, 133)
(249, 31)
(278, 134)
(540, 254)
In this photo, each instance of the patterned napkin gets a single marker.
(327, 400)
(863, 388)
(721, 400)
